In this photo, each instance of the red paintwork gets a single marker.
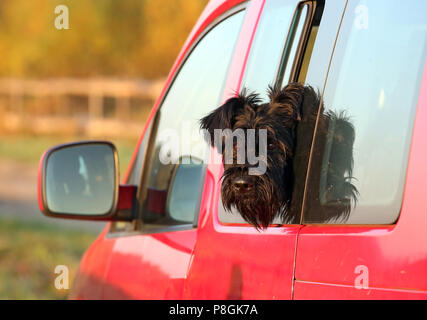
(396, 256)
(90, 281)
(148, 266)
(39, 182)
(218, 261)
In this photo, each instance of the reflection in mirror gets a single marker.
(80, 179)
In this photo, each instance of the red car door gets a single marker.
(378, 80)
(231, 259)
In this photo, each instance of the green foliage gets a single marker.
(29, 253)
(127, 38)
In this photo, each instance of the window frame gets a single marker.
(295, 67)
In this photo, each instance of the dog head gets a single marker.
(257, 143)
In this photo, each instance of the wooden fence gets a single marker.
(93, 107)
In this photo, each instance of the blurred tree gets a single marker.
(166, 26)
(127, 38)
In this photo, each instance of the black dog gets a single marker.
(259, 198)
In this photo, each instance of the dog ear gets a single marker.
(287, 101)
(224, 116)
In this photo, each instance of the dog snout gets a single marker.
(243, 184)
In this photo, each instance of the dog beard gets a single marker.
(258, 206)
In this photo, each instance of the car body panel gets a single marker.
(90, 280)
(149, 266)
(395, 256)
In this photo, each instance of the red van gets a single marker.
(169, 236)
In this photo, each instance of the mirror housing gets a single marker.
(80, 180)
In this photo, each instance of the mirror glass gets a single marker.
(80, 179)
(185, 193)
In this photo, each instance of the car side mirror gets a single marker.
(81, 181)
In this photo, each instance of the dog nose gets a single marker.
(243, 184)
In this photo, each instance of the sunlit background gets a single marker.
(96, 80)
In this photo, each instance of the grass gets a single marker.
(29, 149)
(29, 253)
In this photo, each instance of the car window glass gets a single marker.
(268, 45)
(172, 185)
(135, 173)
(364, 131)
